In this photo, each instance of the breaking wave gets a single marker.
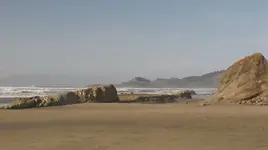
(30, 91)
(34, 91)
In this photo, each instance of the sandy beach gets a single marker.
(135, 126)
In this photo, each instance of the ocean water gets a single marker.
(7, 94)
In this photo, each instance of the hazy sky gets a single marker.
(121, 39)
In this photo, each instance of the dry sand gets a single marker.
(135, 127)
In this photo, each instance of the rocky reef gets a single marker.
(151, 98)
(96, 94)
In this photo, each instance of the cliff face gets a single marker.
(245, 82)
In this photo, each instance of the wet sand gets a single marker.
(135, 126)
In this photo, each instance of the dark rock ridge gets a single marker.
(150, 99)
(245, 82)
(132, 98)
(96, 94)
(209, 80)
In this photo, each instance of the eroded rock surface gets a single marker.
(245, 82)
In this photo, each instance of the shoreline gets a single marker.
(124, 98)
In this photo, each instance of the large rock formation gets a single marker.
(98, 94)
(245, 82)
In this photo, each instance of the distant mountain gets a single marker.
(138, 81)
(48, 80)
(209, 80)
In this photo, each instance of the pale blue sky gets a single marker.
(120, 39)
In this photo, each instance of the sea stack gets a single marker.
(245, 82)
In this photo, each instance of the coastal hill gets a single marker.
(209, 80)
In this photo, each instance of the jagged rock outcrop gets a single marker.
(186, 94)
(245, 82)
(97, 94)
